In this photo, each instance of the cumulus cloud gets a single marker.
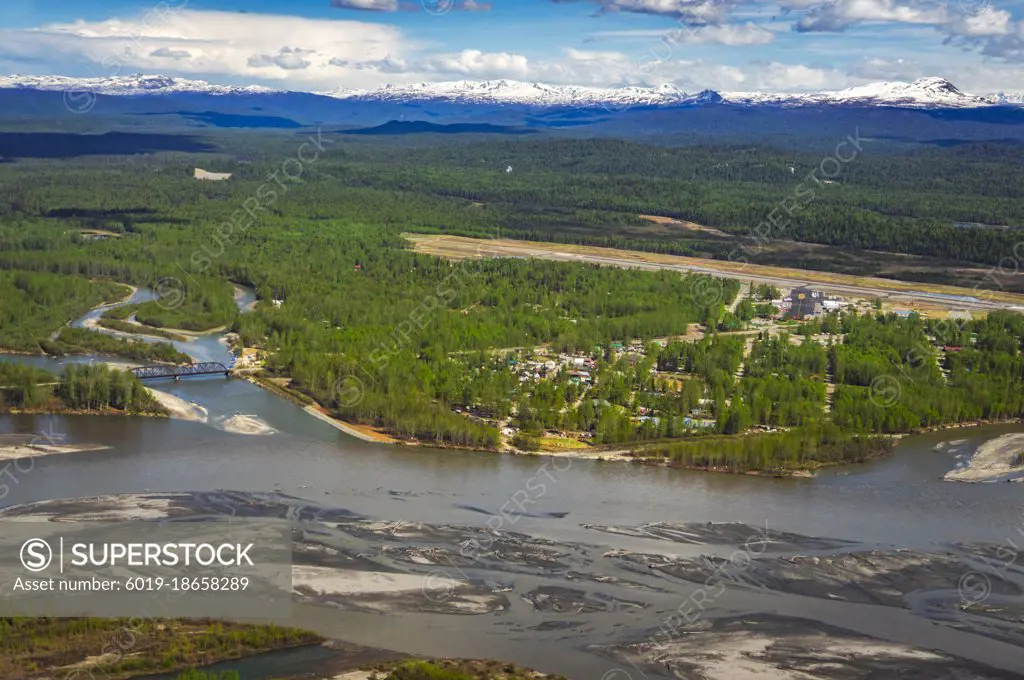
(249, 46)
(474, 63)
(988, 22)
(992, 31)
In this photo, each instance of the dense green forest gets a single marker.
(934, 202)
(34, 305)
(93, 387)
(406, 342)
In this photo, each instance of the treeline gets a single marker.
(33, 305)
(93, 387)
(803, 448)
(83, 341)
(898, 374)
(45, 646)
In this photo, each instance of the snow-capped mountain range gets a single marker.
(133, 85)
(922, 93)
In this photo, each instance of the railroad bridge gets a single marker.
(204, 368)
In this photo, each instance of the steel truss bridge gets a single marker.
(204, 368)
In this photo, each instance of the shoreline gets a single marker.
(614, 455)
(351, 429)
(965, 424)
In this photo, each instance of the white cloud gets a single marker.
(988, 22)
(288, 58)
(729, 34)
(775, 76)
(713, 34)
(367, 5)
(696, 12)
(477, 64)
(873, 69)
(168, 53)
(429, 6)
(325, 54)
(242, 45)
(839, 15)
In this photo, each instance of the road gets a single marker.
(898, 292)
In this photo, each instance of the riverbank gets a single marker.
(959, 426)
(809, 469)
(995, 458)
(367, 434)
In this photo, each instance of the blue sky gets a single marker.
(728, 45)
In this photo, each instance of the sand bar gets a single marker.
(993, 459)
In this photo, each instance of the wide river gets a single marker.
(900, 500)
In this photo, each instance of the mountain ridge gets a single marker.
(931, 92)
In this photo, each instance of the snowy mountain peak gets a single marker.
(935, 84)
(922, 92)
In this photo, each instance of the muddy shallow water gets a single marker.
(767, 604)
